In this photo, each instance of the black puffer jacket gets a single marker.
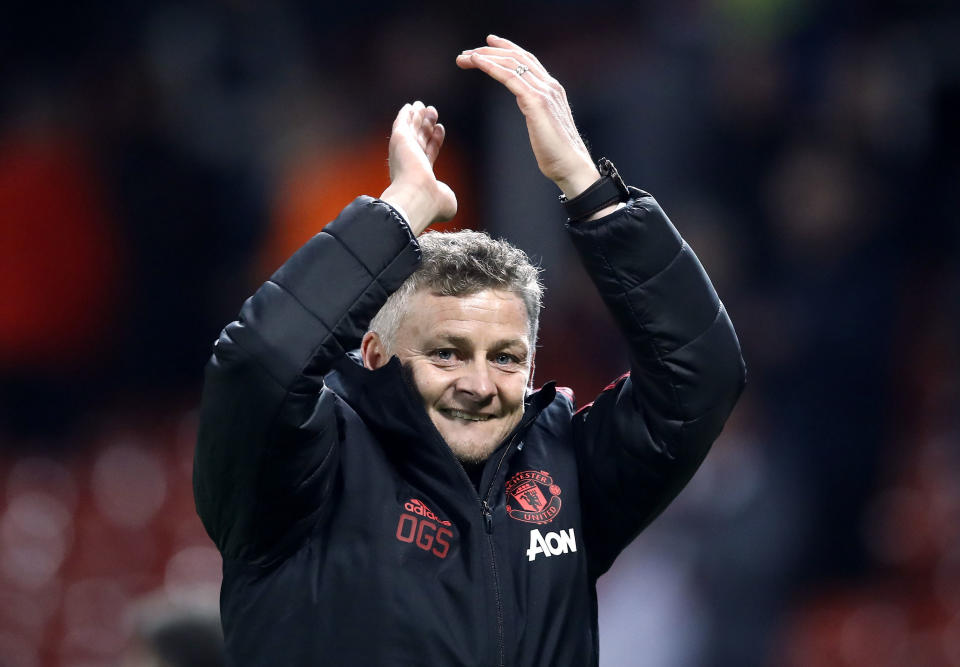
(352, 536)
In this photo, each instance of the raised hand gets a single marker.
(557, 146)
(415, 143)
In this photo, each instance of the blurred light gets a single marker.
(895, 525)
(950, 640)
(193, 568)
(44, 475)
(186, 442)
(17, 651)
(34, 539)
(93, 616)
(763, 20)
(29, 610)
(129, 484)
(947, 580)
(875, 634)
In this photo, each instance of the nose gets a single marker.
(477, 382)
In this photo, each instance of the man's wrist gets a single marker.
(417, 209)
(602, 197)
(579, 181)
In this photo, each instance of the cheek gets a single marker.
(514, 391)
(430, 382)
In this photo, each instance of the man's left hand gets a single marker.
(557, 146)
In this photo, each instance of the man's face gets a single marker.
(469, 358)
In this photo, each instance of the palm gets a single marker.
(414, 146)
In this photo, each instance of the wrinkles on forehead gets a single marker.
(496, 318)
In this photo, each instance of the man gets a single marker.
(427, 508)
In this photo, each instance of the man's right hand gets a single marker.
(414, 145)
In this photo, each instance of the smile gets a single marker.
(466, 416)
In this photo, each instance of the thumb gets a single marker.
(447, 208)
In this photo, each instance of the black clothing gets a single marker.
(349, 531)
(474, 472)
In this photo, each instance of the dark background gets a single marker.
(157, 161)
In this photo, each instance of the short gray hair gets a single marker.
(460, 264)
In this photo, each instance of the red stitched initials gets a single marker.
(418, 525)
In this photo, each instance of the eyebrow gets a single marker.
(462, 342)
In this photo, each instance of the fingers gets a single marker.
(504, 57)
(506, 44)
(417, 124)
(435, 142)
(402, 116)
(501, 46)
(428, 122)
(516, 83)
(519, 70)
(417, 119)
(518, 56)
(412, 114)
(503, 42)
(532, 77)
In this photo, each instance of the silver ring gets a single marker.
(522, 69)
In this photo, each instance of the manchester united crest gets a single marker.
(533, 497)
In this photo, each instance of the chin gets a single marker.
(472, 452)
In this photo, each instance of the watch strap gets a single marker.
(609, 189)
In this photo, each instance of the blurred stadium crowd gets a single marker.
(158, 160)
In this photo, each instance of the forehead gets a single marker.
(491, 313)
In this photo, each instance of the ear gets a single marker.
(373, 351)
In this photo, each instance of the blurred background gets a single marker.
(159, 160)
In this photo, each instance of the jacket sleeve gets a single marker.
(267, 445)
(641, 440)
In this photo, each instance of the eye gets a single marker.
(444, 354)
(503, 359)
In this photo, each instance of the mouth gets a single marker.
(461, 415)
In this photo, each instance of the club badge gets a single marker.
(528, 499)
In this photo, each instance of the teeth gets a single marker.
(466, 415)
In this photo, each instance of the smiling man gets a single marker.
(417, 502)
(469, 359)
(464, 329)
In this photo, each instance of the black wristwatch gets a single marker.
(610, 189)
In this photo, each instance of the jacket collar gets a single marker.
(394, 412)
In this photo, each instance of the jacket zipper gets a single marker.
(488, 517)
(487, 512)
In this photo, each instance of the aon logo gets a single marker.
(551, 544)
